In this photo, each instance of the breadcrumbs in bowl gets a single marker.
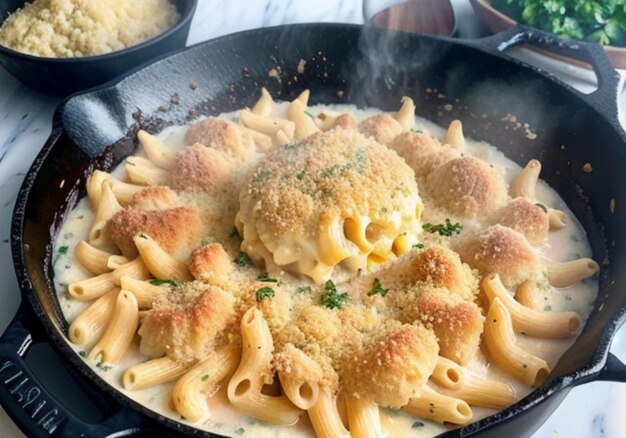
(69, 28)
(64, 46)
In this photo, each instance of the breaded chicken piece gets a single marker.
(175, 229)
(200, 168)
(501, 250)
(435, 265)
(393, 366)
(442, 267)
(527, 217)
(209, 261)
(383, 127)
(185, 325)
(458, 324)
(222, 135)
(155, 198)
(467, 187)
(422, 152)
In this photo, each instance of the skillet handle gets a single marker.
(614, 370)
(604, 99)
(33, 408)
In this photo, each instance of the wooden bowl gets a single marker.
(496, 21)
(423, 16)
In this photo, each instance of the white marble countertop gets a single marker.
(592, 410)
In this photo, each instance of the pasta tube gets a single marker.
(244, 388)
(500, 341)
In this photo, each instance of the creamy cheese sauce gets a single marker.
(564, 244)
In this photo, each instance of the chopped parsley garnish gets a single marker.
(331, 298)
(303, 289)
(157, 282)
(418, 245)
(446, 229)
(417, 425)
(240, 431)
(63, 249)
(243, 259)
(300, 175)
(419, 131)
(103, 367)
(233, 232)
(547, 308)
(207, 239)
(265, 292)
(82, 353)
(266, 278)
(291, 146)
(204, 377)
(377, 288)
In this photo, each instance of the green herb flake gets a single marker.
(377, 288)
(303, 289)
(418, 246)
(331, 298)
(158, 282)
(240, 431)
(103, 367)
(547, 308)
(417, 131)
(417, 425)
(233, 232)
(265, 292)
(207, 240)
(266, 278)
(300, 175)
(204, 377)
(63, 249)
(82, 353)
(446, 229)
(243, 259)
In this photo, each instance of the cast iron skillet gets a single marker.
(473, 81)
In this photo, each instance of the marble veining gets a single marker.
(592, 410)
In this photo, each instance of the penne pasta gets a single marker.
(454, 135)
(363, 418)
(158, 152)
(304, 124)
(433, 406)
(325, 417)
(529, 321)
(500, 341)
(448, 374)
(89, 325)
(525, 181)
(484, 393)
(119, 332)
(145, 293)
(406, 114)
(265, 104)
(144, 172)
(244, 388)
(160, 263)
(267, 125)
(91, 258)
(202, 380)
(94, 287)
(153, 372)
(105, 210)
(123, 192)
(565, 274)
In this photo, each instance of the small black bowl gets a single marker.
(64, 76)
